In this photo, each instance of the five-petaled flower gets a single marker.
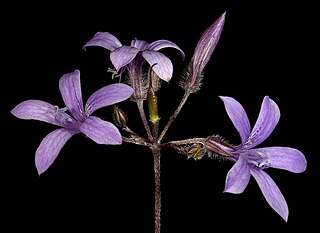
(139, 50)
(250, 161)
(80, 120)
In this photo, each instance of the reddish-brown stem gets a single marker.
(157, 202)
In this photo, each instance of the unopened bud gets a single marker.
(202, 54)
(120, 118)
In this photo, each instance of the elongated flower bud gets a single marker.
(202, 54)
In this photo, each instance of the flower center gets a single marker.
(62, 117)
(261, 159)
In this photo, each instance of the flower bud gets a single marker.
(119, 117)
(202, 54)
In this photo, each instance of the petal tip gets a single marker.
(40, 169)
(285, 216)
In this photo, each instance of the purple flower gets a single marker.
(250, 161)
(203, 52)
(122, 55)
(80, 120)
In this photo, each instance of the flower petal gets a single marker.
(160, 44)
(286, 158)
(105, 40)
(50, 147)
(36, 110)
(207, 43)
(238, 116)
(70, 89)
(238, 177)
(108, 95)
(267, 120)
(140, 44)
(122, 56)
(271, 192)
(163, 67)
(102, 132)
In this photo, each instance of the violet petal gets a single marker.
(36, 110)
(122, 56)
(50, 147)
(163, 67)
(238, 177)
(160, 44)
(286, 158)
(102, 132)
(267, 120)
(238, 117)
(271, 192)
(140, 44)
(105, 40)
(70, 89)
(108, 95)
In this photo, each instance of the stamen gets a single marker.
(60, 115)
(114, 73)
(261, 159)
(261, 154)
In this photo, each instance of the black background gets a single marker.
(266, 48)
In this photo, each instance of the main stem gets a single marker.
(155, 148)
(157, 201)
(157, 181)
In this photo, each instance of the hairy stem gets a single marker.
(174, 115)
(155, 131)
(137, 141)
(157, 193)
(127, 129)
(144, 119)
(184, 142)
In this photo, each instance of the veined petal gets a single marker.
(122, 56)
(267, 120)
(238, 177)
(140, 44)
(160, 44)
(70, 89)
(102, 132)
(271, 192)
(238, 116)
(108, 95)
(286, 158)
(50, 147)
(105, 40)
(36, 110)
(163, 67)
